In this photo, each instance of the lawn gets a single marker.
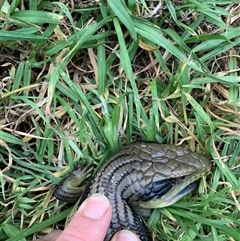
(80, 79)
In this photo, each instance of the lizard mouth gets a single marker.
(174, 198)
(181, 187)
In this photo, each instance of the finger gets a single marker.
(90, 222)
(51, 236)
(125, 235)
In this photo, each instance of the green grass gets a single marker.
(77, 83)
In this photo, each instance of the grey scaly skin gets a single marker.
(140, 176)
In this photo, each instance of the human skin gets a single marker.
(90, 223)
